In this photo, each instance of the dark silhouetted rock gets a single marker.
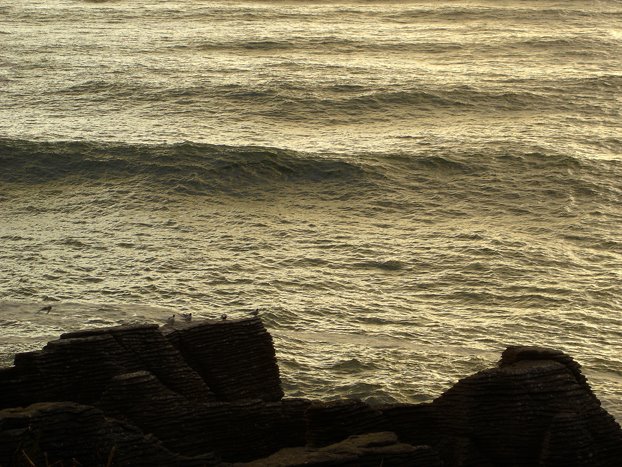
(461, 452)
(78, 366)
(330, 422)
(49, 433)
(508, 412)
(156, 355)
(368, 450)
(517, 353)
(236, 358)
(142, 400)
(568, 442)
(15, 388)
(413, 423)
(66, 369)
(236, 431)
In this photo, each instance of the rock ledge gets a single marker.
(208, 393)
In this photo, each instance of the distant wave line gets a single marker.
(196, 168)
(295, 101)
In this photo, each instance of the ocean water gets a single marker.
(402, 188)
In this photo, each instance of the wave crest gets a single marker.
(189, 167)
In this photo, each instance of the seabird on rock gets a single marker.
(170, 320)
(46, 308)
(223, 316)
(186, 316)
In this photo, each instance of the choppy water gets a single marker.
(402, 188)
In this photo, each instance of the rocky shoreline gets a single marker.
(208, 393)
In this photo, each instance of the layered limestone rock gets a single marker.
(330, 422)
(155, 354)
(368, 450)
(209, 393)
(235, 357)
(241, 430)
(60, 433)
(517, 415)
(66, 369)
(79, 365)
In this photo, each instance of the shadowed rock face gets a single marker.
(331, 422)
(413, 423)
(209, 393)
(534, 409)
(63, 431)
(79, 365)
(242, 430)
(371, 450)
(235, 358)
(154, 353)
(75, 369)
(568, 429)
(517, 353)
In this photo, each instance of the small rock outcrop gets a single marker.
(236, 358)
(518, 415)
(208, 393)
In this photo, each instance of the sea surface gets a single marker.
(402, 188)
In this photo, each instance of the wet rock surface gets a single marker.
(209, 393)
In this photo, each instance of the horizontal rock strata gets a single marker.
(368, 450)
(208, 393)
(156, 354)
(241, 430)
(511, 411)
(59, 432)
(236, 358)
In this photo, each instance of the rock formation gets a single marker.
(331, 422)
(50, 432)
(534, 409)
(208, 393)
(372, 449)
(235, 357)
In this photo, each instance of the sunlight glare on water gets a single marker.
(403, 188)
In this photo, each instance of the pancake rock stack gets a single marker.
(208, 393)
(535, 409)
(235, 358)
